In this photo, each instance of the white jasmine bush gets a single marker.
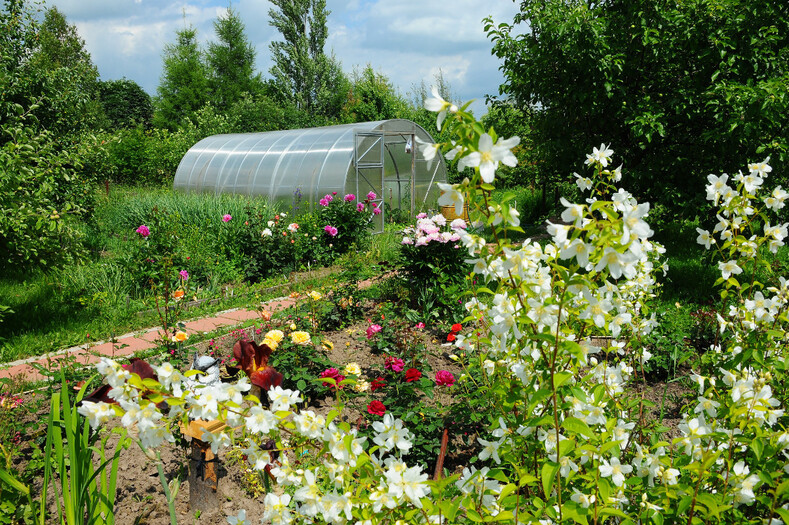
(556, 343)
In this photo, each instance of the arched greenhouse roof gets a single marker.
(381, 157)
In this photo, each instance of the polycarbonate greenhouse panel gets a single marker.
(381, 157)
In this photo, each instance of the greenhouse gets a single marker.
(305, 164)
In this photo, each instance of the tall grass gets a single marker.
(128, 207)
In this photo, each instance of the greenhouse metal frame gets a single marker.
(305, 164)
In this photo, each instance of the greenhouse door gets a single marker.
(368, 158)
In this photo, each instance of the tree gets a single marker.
(183, 88)
(676, 88)
(231, 63)
(373, 97)
(302, 72)
(61, 74)
(45, 194)
(125, 104)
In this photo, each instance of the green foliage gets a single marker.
(678, 88)
(231, 62)
(373, 97)
(43, 198)
(183, 88)
(61, 77)
(86, 494)
(434, 270)
(46, 85)
(125, 104)
(302, 73)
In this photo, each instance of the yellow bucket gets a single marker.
(449, 213)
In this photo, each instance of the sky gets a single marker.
(409, 41)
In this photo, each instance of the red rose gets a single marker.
(376, 408)
(451, 337)
(412, 374)
(457, 327)
(377, 383)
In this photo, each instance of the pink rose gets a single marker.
(445, 378)
(227, 217)
(395, 364)
(350, 197)
(143, 230)
(331, 230)
(372, 330)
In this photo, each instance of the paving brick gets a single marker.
(26, 372)
(152, 336)
(202, 325)
(241, 315)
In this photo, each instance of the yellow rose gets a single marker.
(292, 326)
(361, 386)
(275, 335)
(300, 338)
(179, 337)
(271, 343)
(352, 369)
(315, 296)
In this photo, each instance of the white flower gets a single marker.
(264, 233)
(490, 449)
(429, 150)
(238, 519)
(96, 413)
(615, 470)
(760, 169)
(391, 434)
(488, 156)
(260, 421)
(409, 483)
(705, 238)
(728, 268)
(451, 197)
(601, 155)
(574, 212)
(217, 440)
(437, 103)
(583, 183)
(582, 499)
(277, 510)
(282, 398)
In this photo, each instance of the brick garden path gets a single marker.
(128, 344)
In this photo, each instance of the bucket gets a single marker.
(449, 212)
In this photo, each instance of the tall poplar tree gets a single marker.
(183, 88)
(302, 72)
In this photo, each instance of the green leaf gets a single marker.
(14, 483)
(548, 474)
(560, 378)
(573, 424)
(757, 445)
